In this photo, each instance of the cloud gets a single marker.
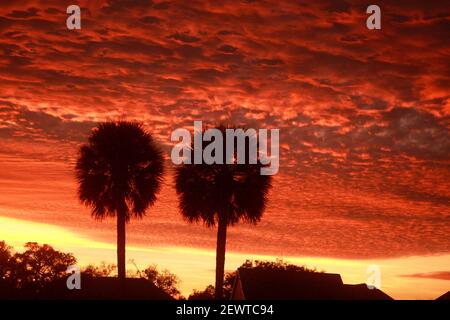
(30, 12)
(441, 275)
(364, 116)
(35, 125)
(184, 37)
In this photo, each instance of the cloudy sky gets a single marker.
(364, 117)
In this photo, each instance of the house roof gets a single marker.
(259, 284)
(106, 288)
(445, 296)
(361, 292)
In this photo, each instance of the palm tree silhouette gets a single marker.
(221, 194)
(119, 172)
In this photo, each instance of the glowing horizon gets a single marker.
(195, 266)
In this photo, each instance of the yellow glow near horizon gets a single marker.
(195, 266)
(17, 232)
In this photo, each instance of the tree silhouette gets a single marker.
(39, 265)
(25, 274)
(119, 172)
(222, 195)
(207, 294)
(102, 270)
(5, 258)
(165, 280)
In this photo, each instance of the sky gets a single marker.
(364, 119)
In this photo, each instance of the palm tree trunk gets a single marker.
(220, 256)
(121, 245)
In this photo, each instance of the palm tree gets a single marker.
(119, 172)
(222, 195)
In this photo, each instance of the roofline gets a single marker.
(238, 278)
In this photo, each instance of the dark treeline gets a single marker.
(28, 274)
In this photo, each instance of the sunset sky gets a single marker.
(364, 119)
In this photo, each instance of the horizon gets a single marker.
(201, 261)
(363, 118)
